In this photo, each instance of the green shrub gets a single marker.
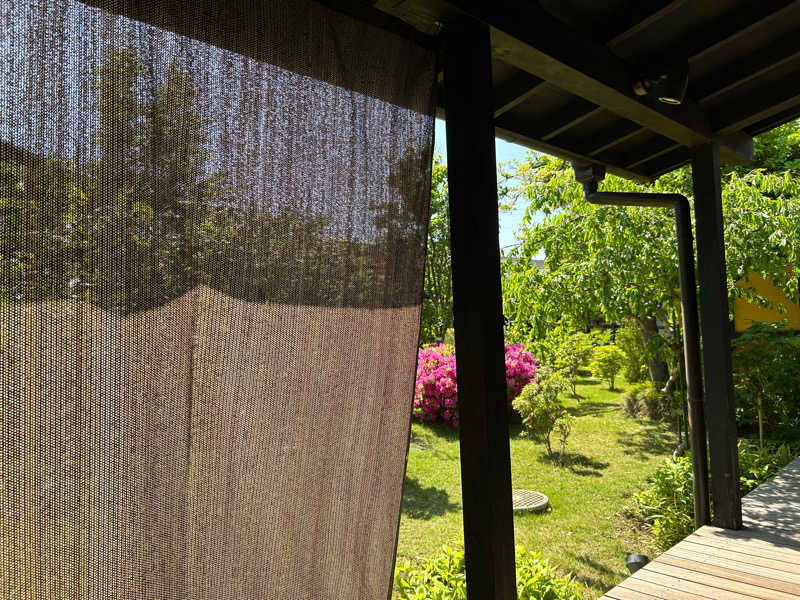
(766, 370)
(442, 578)
(607, 362)
(756, 465)
(630, 340)
(667, 506)
(646, 400)
(572, 355)
(449, 337)
(540, 407)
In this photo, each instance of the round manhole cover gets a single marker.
(529, 500)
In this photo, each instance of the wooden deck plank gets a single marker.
(746, 550)
(775, 505)
(730, 585)
(738, 562)
(679, 584)
(621, 593)
(659, 591)
(753, 536)
(773, 585)
(759, 562)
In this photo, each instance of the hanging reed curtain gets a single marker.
(211, 257)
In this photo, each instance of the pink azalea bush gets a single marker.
(436, 393)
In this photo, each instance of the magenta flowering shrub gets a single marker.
(436, 392)
(521, 369)
(435, 397)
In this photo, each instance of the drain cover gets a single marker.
(529, 500)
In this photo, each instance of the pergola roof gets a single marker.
(563, 73)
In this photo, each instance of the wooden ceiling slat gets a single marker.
(571, 115)
(614, 136)
(514, 131)
(643, 16)
(666, 162)
(751, 66)
(512, 93)
(740, 113)
(790, 114)
(744, 21)
(648, 147)
(651, 156)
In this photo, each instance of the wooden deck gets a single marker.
(761, 561)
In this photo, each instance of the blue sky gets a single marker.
(505, 151)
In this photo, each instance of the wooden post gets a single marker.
(715, 325)
(478, 316)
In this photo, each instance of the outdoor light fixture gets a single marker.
(634, 562)
(668, 84)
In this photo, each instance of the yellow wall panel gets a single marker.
(744, 312)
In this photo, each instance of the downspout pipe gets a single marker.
(590, 176)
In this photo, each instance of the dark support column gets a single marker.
(478, 317)
(720, 409)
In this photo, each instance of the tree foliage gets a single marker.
(620, 263)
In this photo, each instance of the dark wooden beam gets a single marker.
(478, 314)
(715, 324)
(512, 93)
(751, 66)
(529, 38)
(739, 113)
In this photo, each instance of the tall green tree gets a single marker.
(437, 302)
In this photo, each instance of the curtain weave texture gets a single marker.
(212, 241)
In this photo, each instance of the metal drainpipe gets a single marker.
(589, 176)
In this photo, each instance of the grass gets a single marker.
(609, 456)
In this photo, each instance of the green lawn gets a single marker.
(609, 457)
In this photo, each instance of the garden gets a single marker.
(594, 379)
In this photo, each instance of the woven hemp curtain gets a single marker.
(211, 254)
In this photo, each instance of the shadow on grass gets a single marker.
(440, 431)
(577, 463)
(605, 579)
(593, 408)
(586, 381)
(646, 442)
(425, 502)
